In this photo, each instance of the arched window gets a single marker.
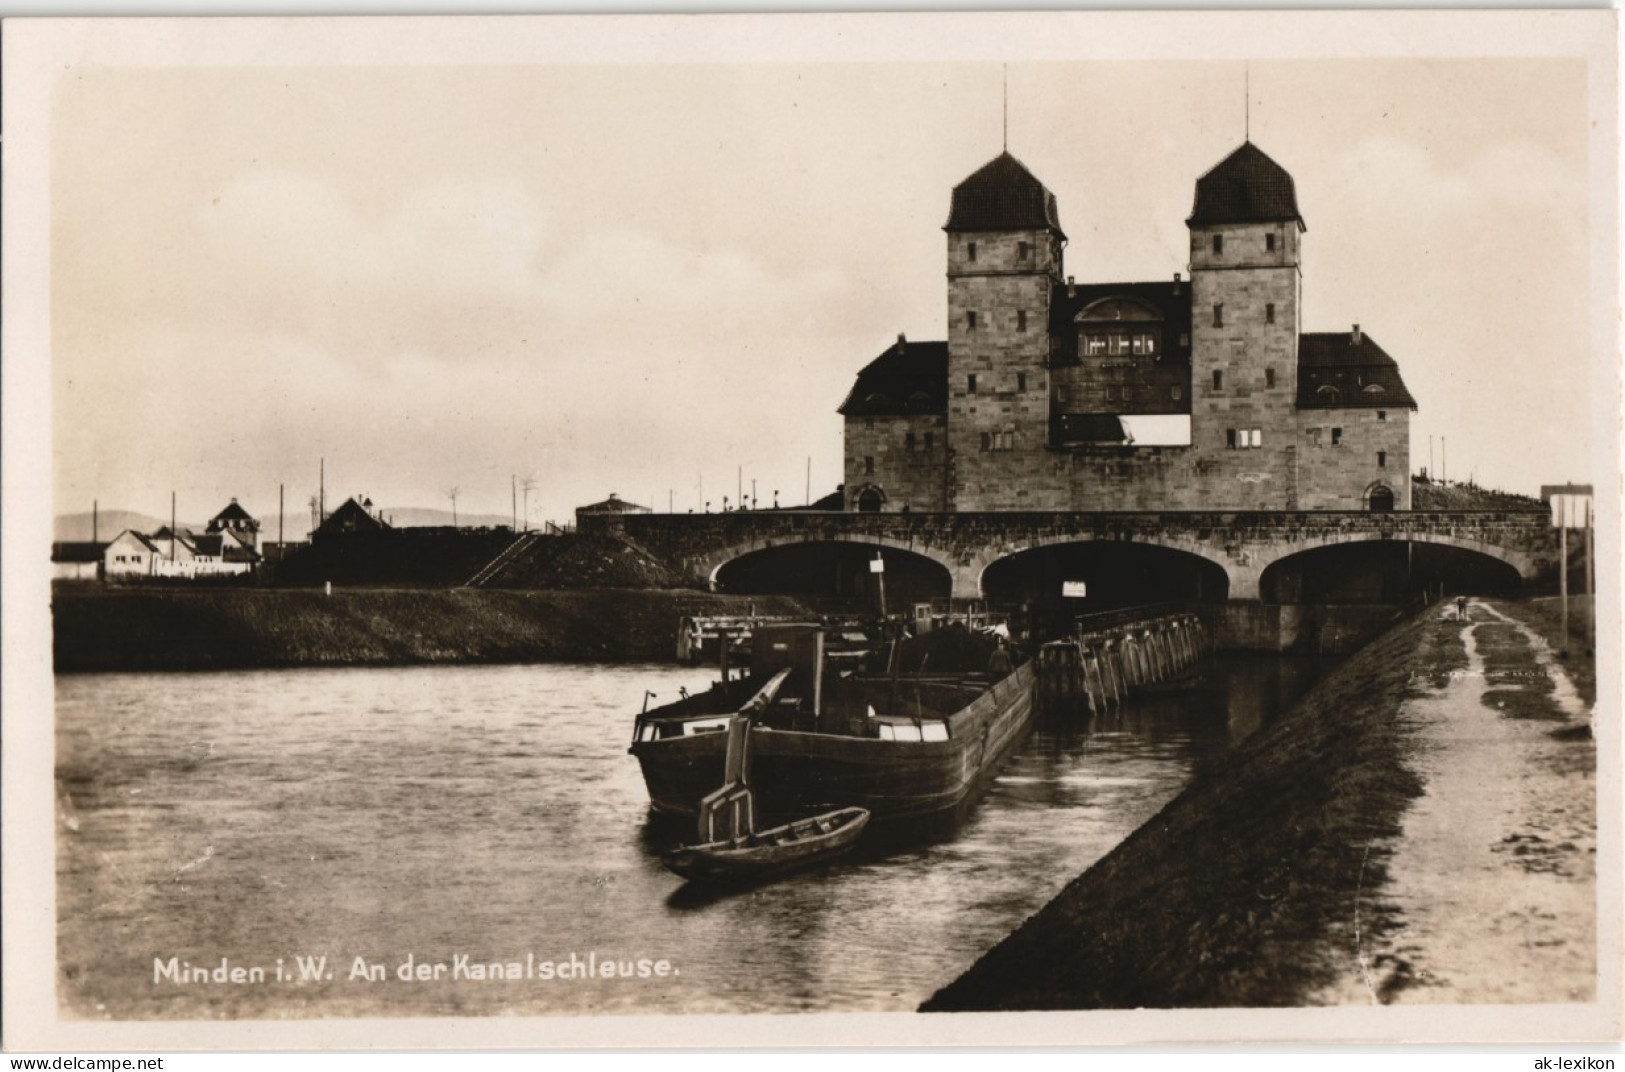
(870, 500)
(1119, 328)
(1380, 499)
(1327, 393)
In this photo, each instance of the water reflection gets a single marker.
(494, 812)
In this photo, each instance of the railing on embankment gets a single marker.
(1107, 661)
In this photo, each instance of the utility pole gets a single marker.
(95, 521)
(321, 491)
(753, 493)
(739, 487)
(513, 491)
(1444, 459)
(1591, 586)
(172, 534)
(809, 480)
(280, 511)
(1563, 570)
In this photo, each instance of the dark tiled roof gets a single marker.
(613, 505)
(77, 551)
(233, 512)
(1091, 428)
(1172, 301)
(1335, 372)
(1245, 187)
(1003, 196)
(207, 545)
(909, 378)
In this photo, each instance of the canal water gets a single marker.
(474, 840)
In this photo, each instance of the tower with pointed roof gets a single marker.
(1004, 260)
(1246, 287)
(1051, 394)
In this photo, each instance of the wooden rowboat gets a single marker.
(770, 852)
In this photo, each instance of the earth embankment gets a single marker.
(1267, 881)
(117, 629)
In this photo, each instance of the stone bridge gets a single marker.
(1243, 543)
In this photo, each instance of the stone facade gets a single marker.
(1243, 543)
(897, 463)
(1044, 380)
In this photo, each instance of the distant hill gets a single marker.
(79, 527)
(409, 517)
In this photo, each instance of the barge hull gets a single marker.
(795, 772)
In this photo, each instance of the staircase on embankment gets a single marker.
(520, 546)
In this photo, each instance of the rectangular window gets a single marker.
(970, 321)
(1111, 394)
(1337, 437)
(1021, 381)
(1257, 438)
(869, 465)
(1382, 459)
(1176, 393)
(1269, 377)
(1230, 438)
(1024, 250)
(1269, 242)
(1314, 437)
(1269, 312)
(970, 251)
(1021, 320)
(1184, 338)
(1218, 245)
(868, 423)
(908, 441)
(1382, 415)
(1218, 379)
(970, 383)
(1094, 345)
(987, 441)
(1218, 314)
(930, 440)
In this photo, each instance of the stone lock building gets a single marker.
(1198, 394)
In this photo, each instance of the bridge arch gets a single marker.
(1474, 565)
(1222, 565)
(936, 570)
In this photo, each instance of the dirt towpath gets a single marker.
(1490, 892)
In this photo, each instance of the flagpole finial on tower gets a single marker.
(1247, 103)
(1005, 81)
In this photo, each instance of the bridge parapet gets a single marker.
(1243, 543)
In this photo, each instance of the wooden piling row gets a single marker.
(1100, 669)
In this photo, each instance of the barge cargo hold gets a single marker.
(900, 746)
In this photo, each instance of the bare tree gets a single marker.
(527, 485)
(452, 493)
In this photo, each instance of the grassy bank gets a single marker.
(169, 629)
(1239, 892)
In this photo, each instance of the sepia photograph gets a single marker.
(800, 529)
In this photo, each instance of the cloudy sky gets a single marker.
(645, 278)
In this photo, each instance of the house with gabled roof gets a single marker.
(130, 554)
(1185, 394)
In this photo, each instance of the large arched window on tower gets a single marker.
(870, 500)
(1119, 329)
(1380, 499)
